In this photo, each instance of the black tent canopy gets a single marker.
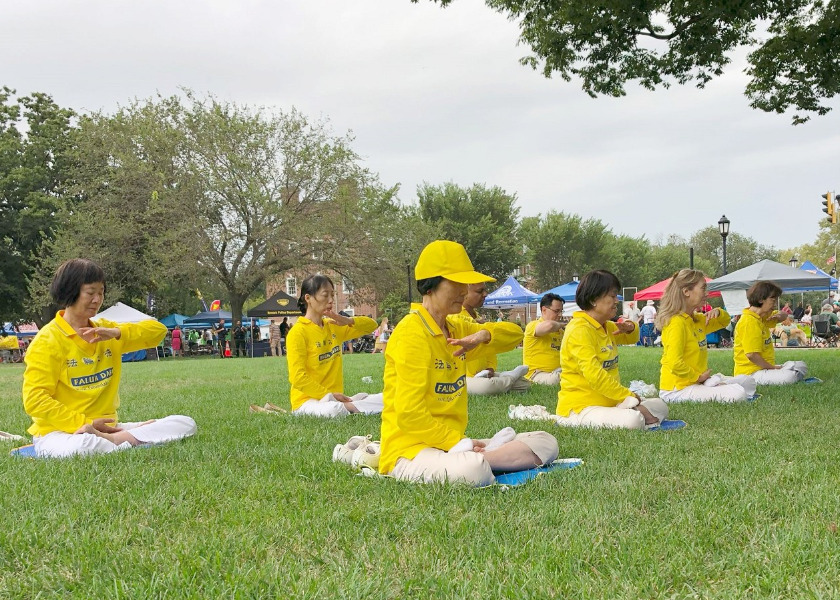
(280, 304)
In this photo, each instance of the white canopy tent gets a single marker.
(122, 313)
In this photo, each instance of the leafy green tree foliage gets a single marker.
(36, 136)
(794, 63)
(192, 189)
(741, 251)
(483, 219)
(560, 245)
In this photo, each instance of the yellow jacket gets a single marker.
(590, 364)
(508, 335)
(425, 391)
(314, 356)
(541, 353)
(685, 355)
(752, 334)
(69, 383)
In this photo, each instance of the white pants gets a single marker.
(329, 407)
(612, 417)
(433, 464)
(791, 372)
(731, 389)
(493, 386)
(59, 444)
(546, 378)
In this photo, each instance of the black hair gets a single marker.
(761, 290)
(424, 286)
(548, 299)
(71, 276)
(593, 285)
(311, 285)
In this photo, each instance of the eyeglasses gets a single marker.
(556, 311)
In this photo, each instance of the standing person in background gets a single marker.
(314, 349)
(381, 335)
(632, 312)
(685, 375)
(221, 333)
(591, 394)
(482, 377)
(648, 329)
(284, 332)
(192, 340)
(240, 333)
(72, 379)
(754, 351)
(543, 340)
(787, 309)
(177, 342)
(274, 338)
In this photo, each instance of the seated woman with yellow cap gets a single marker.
(425, 416)
(591, 394)
(313, 347)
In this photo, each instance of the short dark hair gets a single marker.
(761, 290)
(593, 285)
(71, 276)
(424, 286)
(548, 299)
(310, 286)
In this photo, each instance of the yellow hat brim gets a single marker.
(468, 277)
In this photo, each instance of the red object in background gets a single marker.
(215, 305)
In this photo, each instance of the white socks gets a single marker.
(518, 372)
(503, 436)
(713, 381)
(629, 402)
(485, 373)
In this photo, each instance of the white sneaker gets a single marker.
(485, 373)
(344, 452)
(366, 456)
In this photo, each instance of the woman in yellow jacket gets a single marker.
(754, 352)
(685, 375)
(72, 378)
(313, 347)
(591, 394)
(425, 416)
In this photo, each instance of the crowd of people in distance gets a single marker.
(438, 355)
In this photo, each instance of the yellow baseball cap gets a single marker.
(449, 260)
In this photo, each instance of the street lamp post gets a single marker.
(723, 227)
(793, 262)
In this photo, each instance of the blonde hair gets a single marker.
(673, 300)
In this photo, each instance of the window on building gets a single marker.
(347, 285)
(291, 286)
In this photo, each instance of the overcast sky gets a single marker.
(435, 95)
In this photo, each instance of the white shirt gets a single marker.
(648, 314)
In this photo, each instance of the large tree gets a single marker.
(794, 61)
(190, 188)
(483, 219)
(741, 251)
(36, 136)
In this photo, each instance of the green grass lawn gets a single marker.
(741, 504)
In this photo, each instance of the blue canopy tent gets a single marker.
(509, 295)
(565, 291)
(173, 320)
(207, 319)
(812, 268)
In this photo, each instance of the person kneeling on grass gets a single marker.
(685, 376)
(72, 377)
(425, 416)
(482, 377)
(591, 394)
(313, 347)
(754, 351)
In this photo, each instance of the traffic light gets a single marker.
(828, 204)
